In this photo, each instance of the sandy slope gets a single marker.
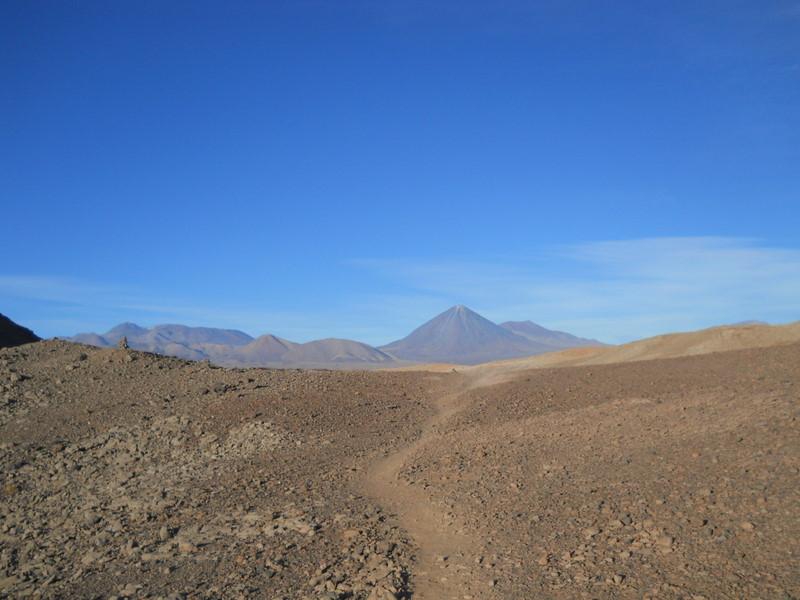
(715, 339)
(704, 341)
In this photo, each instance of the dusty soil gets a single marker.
(673, 478)
(136, 475)
(132, 475)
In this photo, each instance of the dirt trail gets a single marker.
(165, 478)
(446, 554)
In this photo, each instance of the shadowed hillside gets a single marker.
(12, 334)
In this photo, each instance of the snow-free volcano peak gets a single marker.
(459, 335)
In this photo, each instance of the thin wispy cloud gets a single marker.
(75, 305)
(611, 290)
(621, 290)
(791, 11)
(60, 306)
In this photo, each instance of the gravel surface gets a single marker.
(133, 475)
(130, 475)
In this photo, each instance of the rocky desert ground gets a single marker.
(131, 475)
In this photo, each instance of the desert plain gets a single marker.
(667, 471)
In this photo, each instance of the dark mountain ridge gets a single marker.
(12, 334)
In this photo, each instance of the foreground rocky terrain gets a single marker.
(672, 478)
(130, 475)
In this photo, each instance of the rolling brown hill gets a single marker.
(233, 348)
(272, 351)
(704, 341)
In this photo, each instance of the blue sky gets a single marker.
(350, 169)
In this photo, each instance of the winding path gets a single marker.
(435, 578)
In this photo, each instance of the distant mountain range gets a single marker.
(458, 335)
(12, 334)
(462, 336)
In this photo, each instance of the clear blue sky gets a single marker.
(350, 169)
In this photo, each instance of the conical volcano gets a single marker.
(459, 335)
